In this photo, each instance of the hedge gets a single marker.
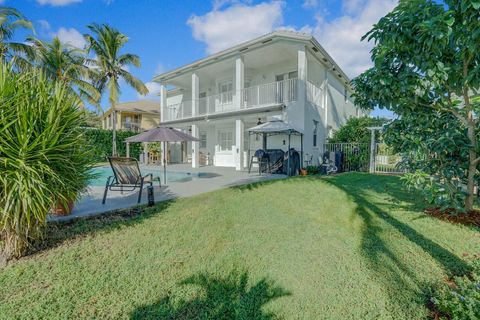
(101, 141)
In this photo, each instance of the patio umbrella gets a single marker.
(162, 134)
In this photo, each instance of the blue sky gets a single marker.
(167, 33)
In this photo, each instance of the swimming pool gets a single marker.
(102, 174)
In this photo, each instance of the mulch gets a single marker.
(471, 218)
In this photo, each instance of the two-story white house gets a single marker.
(283, 75)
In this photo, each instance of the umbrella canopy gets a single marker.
(162, 134)
(275, 126)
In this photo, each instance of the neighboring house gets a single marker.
(133, 116)
(282, 75)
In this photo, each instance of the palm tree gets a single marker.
(68, 65)
(110, 66)
(10, 21)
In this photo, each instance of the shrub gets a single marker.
(461, 299)
(313, 170)
(101, 142)
(355, 130)
(43, 158)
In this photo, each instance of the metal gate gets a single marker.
(385, 160)
(355, 155)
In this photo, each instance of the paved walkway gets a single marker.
(212, 178)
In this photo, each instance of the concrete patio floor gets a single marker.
(214, 178)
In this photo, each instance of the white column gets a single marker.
(163, 153)
(302, 73)
(372, 151)
(325, 101)
(145, 152)
(239, 81)
(195, 147)
(163, 102)
(128, 149)
(195, 93)
(239, 130)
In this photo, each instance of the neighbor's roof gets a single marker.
(246, 46)
(140, 106)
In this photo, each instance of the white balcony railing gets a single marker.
(270, 93)
(314, 94)
(252, 97)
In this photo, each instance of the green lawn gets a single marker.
(354, 246)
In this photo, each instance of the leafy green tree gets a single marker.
(68, 65)
(427, 66)
(44, 159)
(111, 66)
(10, 21)
(356, 130)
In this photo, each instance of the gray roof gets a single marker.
(246, 46)
(275, 126)
(140, 106)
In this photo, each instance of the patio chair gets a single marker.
(127, 177)
(262, 159)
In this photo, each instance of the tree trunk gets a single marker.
(114, 132)
(472, 167)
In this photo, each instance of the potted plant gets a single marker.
(303, 172)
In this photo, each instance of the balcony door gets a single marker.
(224, 100)
(285, 90)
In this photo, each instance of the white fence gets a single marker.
(356, 157)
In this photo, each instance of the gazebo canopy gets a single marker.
(275, 127)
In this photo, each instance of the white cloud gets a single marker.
(308, 4)
(220, 29)
(160, 68)
(70, 36)
(57, 3)
(154, 90)
(341, 36)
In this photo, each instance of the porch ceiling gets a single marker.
(275, 53)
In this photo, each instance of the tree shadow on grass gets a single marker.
(388, 268)
(63, 232)
(217, 298)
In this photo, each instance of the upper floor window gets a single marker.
(225, 89)
(345, 94)
(203, 139)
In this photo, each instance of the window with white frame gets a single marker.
(203, 139)
(345, 94)
(225, 90)
(110, 120)
(315, 132)
(225, 140)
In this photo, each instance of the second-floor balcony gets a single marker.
(269, 94)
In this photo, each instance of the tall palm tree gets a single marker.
(106, 43)
(10, 21)
(68, 65)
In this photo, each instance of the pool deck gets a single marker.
(215, 178)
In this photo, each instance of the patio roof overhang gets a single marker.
(237, 112)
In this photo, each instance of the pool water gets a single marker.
(102, 174)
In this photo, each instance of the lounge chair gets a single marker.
(127, 177)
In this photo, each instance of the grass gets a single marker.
(353, 246)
